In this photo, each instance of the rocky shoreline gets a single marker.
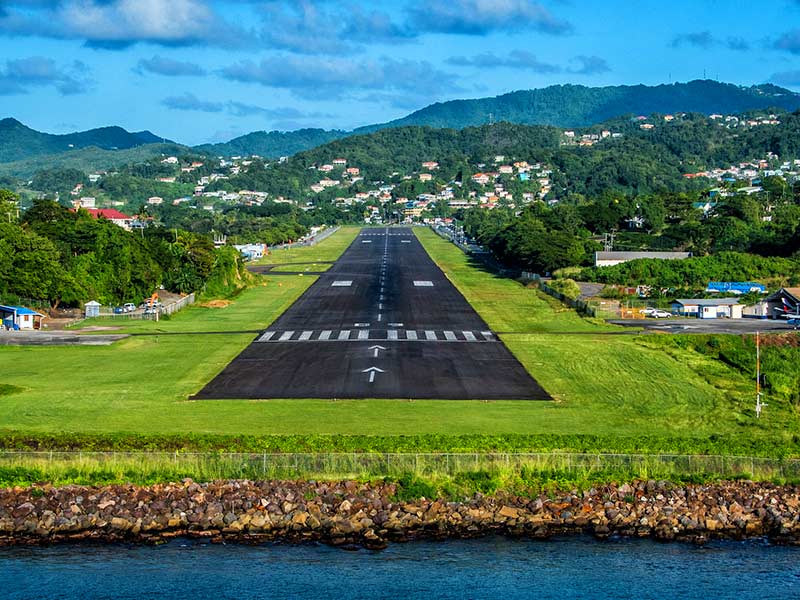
(350, 513)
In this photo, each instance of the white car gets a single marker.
(648, 312)
(660, 314)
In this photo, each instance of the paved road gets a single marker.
(383, 322)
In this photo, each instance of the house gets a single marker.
(339, 162)
(425, 177)
(430, 165)
(19, 317)
(155, 200)
(113, 215)
(480, 178)
(709, 308)
(607, 259)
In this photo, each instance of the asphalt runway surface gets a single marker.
(383, 322)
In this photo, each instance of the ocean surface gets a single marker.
(495, 568)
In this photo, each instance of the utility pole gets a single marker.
(759, 405)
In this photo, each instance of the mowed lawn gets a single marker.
(328, 249)
(603, 384)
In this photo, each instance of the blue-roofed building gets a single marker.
(734, 287)
(524, 177)
(19, 317)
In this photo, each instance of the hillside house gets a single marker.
(113, 215)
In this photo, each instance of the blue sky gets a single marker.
(208, 70)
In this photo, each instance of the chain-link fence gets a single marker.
(55, 465)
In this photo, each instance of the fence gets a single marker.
(166, 309)
(581, 306)
(267, 465)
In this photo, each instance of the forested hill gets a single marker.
(580, 106)
(638, 161)
(559, 105)
(18, 141)
(273, 144)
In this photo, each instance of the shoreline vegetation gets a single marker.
(373, 514)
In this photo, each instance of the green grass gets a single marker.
(605, 385)
(329, 249)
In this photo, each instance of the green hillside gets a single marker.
(18, 141)
(558, 105)
(88, 159)
(273, 144)
(581, 106)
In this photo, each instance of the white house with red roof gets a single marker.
(113, 215)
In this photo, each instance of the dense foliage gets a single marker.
(696, 272)
(57, 256)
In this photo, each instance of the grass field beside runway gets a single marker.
(609, 385)
(328, 249)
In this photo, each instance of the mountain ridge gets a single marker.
(565, 105)
(18, 141)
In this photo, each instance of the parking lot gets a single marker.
(691, 325)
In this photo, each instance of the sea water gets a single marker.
(496, 568)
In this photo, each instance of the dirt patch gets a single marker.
(216, 303)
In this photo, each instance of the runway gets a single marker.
(383, 322)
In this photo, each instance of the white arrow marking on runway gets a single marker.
(372, 371)
(375, 350)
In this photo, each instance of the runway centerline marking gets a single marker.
(424, 283)
(372, 371)
(342, 283)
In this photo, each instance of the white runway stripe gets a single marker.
(391, 335)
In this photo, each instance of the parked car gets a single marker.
(660, 314)
(648, 312)
(128, 307)
(118, 310)
(794, 322)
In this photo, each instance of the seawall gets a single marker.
(366, 514)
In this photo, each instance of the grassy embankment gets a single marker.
(613, 393)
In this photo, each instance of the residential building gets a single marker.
(709, 308)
